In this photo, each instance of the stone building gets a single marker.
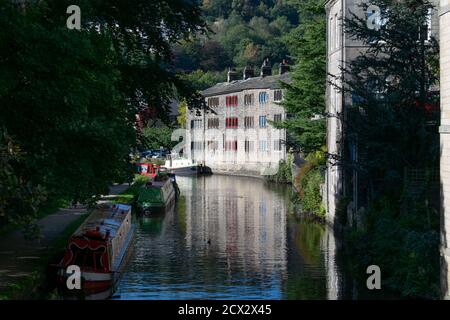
(341, 49)
(445, 143)
(235, 134)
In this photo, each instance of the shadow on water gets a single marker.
(231, 238)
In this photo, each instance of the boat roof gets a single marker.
(107, 217)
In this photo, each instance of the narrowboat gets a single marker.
(157, 195)
(148, 169)
(100, 248)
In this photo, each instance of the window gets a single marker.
(277, 95)
(263, 145)
(196, 124)
(231, 123)
(262, 121)
(213, 123)
(196, 145)
(277, 145)
(336, 31)
(263, 97)
(249, 122)
(213, 145)
(249, 145)
(277, 117)
(231, 101)
(231, 145)
(332, 28)
(213, 102)
(248, 99)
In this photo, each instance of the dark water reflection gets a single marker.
(231, 238)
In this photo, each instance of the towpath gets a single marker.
(18, 256)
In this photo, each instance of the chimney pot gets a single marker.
(248, 73)
(266, 69)
(284, 67)
(232, 74)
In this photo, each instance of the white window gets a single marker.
(331, 29)
(336, 30)
(263, 145)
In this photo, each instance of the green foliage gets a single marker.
(182, 111)
(284, 173)
(201, 80)
(243, 32)
(404, 245)
(130, 194)
(394, 130)
(69, 97)
(61, 103)
(19, 198)
(305, 95)
(156, 136)
(309, 180)
(391, 87)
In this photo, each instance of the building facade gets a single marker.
(236, 133)
(340, 50)
(445, 143)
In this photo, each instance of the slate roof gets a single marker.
(267, 82)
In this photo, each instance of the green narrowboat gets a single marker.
(157, 195)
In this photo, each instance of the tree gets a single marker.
(305, 95)
(142, 35)
(393, 124)
(19, 199)
(393, 121)
(60, 98)
(157, 135)
(69, 98)
(182, 110)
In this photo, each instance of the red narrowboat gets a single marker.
(100, 248)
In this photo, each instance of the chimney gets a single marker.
(266, 69)
(248, 73)
(232, 74)
(284, 67)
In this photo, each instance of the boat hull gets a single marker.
(150, 206)
(97, 285)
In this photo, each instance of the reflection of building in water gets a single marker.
(248, 232)
(333, 279)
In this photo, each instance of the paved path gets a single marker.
(18, 254)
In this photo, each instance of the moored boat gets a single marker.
(157, 195)
(100, 248)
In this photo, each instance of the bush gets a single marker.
(311, 199)
(403, 244)
(308, 182)
(284, 173)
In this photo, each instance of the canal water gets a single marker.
(232, 238)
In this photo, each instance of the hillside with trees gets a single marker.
(242, 32)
